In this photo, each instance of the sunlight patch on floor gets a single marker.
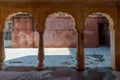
(94, 57)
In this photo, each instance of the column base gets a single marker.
(40, 66)
(1, 65)
(117, 69)
(80, 67)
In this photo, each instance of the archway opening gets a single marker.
(60, 40)
(19, 41)
(99, 41)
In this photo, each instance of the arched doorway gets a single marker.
(20, 42)
(60, 40)
(103, 34)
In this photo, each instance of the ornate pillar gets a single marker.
(80, 23)
(80, 51)
(41, 52)
(40, 25)
(2, 57)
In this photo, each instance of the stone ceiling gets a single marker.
(52, 0)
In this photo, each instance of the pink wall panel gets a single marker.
(22, 34)
(59, 32)
(91, 32)
(59, 39)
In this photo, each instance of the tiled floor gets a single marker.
(54, 57)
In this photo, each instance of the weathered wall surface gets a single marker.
(91, 32)
(96, 34)
(22, 33)
(59, 32)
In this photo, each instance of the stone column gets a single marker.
(1, 50)
(41, 52)
(117, 41)
(112, 48)
(80, 51)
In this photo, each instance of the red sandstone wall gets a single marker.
(59, 32)
(105, 32)
(22, 34)
(91, 32)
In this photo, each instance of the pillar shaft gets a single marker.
(2, 57)
(41, 52)
(80, 52)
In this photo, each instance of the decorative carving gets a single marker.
(23, 31)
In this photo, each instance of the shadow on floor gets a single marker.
(65, 73)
